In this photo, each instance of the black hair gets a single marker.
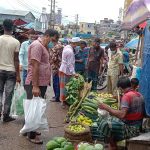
(97, 40)
(8, 25)
(134, 82)
(51, 33)
(83, 42)
(107, 47)
(124, 82)
(112, 45)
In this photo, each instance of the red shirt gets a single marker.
(135, 103)
(39, 53)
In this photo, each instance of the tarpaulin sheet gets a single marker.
(135, 12)
(145, 73)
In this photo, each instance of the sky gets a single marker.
(88, 10)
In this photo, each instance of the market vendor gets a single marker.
(127, 121)
(67, 68)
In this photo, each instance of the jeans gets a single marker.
(7, 85)
(24, 76)
(28, 89)
(93, 76)
(56, 86)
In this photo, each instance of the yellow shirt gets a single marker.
(8, 46)
(115, 61)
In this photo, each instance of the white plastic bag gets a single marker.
(17, 101)
(35, 118)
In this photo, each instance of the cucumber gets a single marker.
(89, 108)
(91, 105)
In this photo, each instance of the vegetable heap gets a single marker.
(76, 128)
(84, 120)
(59, 143)
(73, 89)
(86, 146)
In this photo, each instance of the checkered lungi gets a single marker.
(115, 128)
(63, 80)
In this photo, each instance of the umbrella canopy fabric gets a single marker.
(133, 44)
(19, 22)
(136, 12)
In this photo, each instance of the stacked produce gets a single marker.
(84, 120)
(87, 146)
(76, 106)
(77, 128)
(59, 143)
(73, 89)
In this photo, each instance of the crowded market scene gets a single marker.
(69, 84)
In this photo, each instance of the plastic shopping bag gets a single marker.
(17, 101)
(34, 111)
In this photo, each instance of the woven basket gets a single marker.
(84, 136)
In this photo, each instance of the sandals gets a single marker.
(36, 140)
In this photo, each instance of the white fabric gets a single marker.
(75, 40)
(68, 61)
(35, 118)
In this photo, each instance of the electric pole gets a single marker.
(52, 13)
(77, 21)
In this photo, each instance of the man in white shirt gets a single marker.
(67, 68)
(9, 68)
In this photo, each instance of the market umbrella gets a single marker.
(135, 12)
(19, 22)
(133, 44)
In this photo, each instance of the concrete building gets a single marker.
(26, 16)
(58, 17)
(88, 28)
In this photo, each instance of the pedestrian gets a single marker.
(126, 122)
(23, 54)
(67, 68)
(81, 58)
(95, 62)
(39, 72)
(115, 68)
(55, 60)
(9, 68)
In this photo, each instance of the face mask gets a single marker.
(50, 45)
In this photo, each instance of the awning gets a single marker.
(135, 13)
(133, 44)
(19, 22)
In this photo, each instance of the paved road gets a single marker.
(9, 132)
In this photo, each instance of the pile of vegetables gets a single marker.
(87, 146)
(59, 143)
(84, 120)
(73, 89)
(76, 128)
(76, 106)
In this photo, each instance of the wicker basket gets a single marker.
(84, 136)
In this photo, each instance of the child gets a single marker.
(135, 84)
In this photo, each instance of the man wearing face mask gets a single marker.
(67, 68)
(23, 54)
(115, 68)
(39, 71)
(95, 61)
(56, 49)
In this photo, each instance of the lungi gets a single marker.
(63, 80)
(115, 128)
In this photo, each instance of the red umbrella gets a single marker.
(143, 25)
(19, 22)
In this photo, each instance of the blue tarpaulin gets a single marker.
(133, 44)
(145, 73)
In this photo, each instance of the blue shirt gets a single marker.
(80, 56)
(23, 54)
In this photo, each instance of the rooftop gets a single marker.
(14, 12)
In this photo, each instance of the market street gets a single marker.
(9, 132)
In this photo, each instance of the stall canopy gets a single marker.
(133, 44)
(135, 13)
(19, 22)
